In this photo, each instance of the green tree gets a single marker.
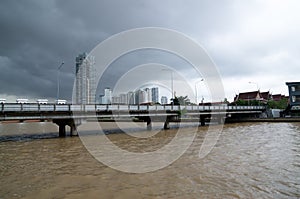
(248, 103)
(175, 101)
(181, 100)
(282, 104)
(241, 103)
(226, 101)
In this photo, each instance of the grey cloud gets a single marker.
(36, 36)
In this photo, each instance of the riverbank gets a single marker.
(279, 120)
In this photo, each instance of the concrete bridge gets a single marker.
(72, 114)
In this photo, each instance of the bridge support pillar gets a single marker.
(149, 124)
(220, 120)
(73, 130)
(62, 130)
(202, 121)
(167, 123)
(62, 123)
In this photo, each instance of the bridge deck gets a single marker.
(72, 114)
(70, 111)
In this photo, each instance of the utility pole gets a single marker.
(196, 93)
(58, 80)
(172, 82)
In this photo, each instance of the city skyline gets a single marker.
(139, 96)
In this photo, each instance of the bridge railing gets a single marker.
(12, 107)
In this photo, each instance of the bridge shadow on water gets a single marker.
(55, 135)
(28, 137)
(25, 137)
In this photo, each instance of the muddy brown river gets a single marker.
(250, 160)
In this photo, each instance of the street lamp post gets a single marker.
(58, 69)
(196, 93)
(172, 82)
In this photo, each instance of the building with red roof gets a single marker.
(262, 97)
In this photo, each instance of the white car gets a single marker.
(60, 101)
(22, 101)
(42, 101)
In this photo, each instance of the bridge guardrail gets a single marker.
(13, 107)
(76, 107)
(46, 107)
(100, 107)
(62, 107)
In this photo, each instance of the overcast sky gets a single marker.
(249, 41)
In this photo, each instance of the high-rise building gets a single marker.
(131, 97)
(155, 94)
(148, 97)
(123, 99)
(142, 97)
(137, 97)
(164, 100)
(85, 79)
(115, 100)
(107, 97)
(100, 99)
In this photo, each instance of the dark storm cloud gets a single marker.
(242, 38)
(34, 43)
(36, 36)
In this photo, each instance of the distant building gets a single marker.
(140, 96)
(278, 97)
(164, 100)
(116, 100)
(155, 94)
(249, 96)
(85, 91)
(136, 97)
(123, 99)
(107, 97)
(100, 99)
(262, 97)
(148, 97)
(266, 96)
(131, 97)
(294, 94)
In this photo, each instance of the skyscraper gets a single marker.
(148, 97)
(85, 79)
(155, 94)
(107, 99)
(131, 97)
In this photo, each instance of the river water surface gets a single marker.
(250, 160)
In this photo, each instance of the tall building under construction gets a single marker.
(85, 80)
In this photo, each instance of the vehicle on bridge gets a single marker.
(22, 101)
(2, 101)
(59, 101)
(42, 101)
